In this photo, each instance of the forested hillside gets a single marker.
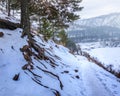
(38, 59)
(102, 28)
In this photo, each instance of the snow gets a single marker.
(98, 82)
(11, 62)
(3, 15)
(92, 81)
(79, 77)
(104, 20)
(108, 56)
(89, 46)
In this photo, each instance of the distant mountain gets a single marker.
(112, 20)
(94, 29)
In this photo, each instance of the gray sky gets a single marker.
(93, 8)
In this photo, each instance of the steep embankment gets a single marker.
(38, 67)
(57, 73)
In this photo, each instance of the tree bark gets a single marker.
(8, 7)
(25, 20)
(9, 1)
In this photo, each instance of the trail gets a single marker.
(93, 86)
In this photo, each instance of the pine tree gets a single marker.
(63, 37)
(25, 20)
(58, 13)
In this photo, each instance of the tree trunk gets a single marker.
(9, 1)
(8, 7)
(25, 20)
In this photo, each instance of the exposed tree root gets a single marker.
(33, 50)
(61, 85)
(35, 75)
(55, 92)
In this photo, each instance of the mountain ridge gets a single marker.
(112, 20)
(105, 27)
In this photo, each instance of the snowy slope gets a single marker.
(108, 56)
(78, 76)
(11, 62)
(58, 73)
(98, 82)
(102, 28)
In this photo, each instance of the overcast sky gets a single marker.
(93, 8)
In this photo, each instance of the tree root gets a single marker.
(61, 85)
(55, 92)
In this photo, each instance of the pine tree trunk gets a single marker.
(8, 7)
(25, 21)
(9, 1)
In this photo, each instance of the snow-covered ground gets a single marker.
(89, 46)
(78, 76)
(3, 15)
(97, 81)
(12, 60)
(108, 56)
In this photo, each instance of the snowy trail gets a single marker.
(93, 86)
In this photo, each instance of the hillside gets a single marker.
(39, 67)
(48, 77)
(112, 20)
(102, 28)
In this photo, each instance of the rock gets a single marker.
(1, 34)
(65, 72)
(77, 77)
(16, 77)
(76, 70)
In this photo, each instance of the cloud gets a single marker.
(93, 8)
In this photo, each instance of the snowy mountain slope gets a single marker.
(12, 61)
(112, 20)
(76, 74)
(57, 73)
(102, 28)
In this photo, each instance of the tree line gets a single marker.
(52, 16)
